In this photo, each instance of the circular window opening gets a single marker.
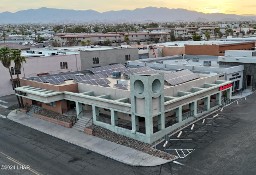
(156, 86)
(139, 86)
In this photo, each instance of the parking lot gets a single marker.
(221, 143)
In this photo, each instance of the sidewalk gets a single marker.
(243, 94)
(106, 148)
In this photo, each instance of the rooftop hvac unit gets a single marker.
(123, 82)
(126, 77)
(207, 63)
(195, 59)
(116, 74)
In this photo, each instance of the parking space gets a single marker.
(197, 135)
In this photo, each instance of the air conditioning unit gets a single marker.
(116, 74)
(122, 82)
(207, 63)
(195, 59)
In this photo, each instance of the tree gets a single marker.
(207, 35)
(6, 59)
(196, 37)
(88, 42)
(229, 32)
(126, 39)
(4, 36)
(107, 43)
(18, 61)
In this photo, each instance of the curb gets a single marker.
(93, 150)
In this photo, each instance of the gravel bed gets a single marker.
(122, 140)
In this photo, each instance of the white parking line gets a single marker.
(192, 127)
(179, 134)
(1, 101)
(179, 139)
(215, 116)
(19, 163)
(176, 162)
(3, 106)
(2, 116)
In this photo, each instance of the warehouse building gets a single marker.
(140, 103)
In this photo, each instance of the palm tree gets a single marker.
(18, 61)
(6, 59)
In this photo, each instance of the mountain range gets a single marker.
(148, 14)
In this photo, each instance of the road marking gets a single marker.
(192, 127)
(203, 121)
(179, 134)
(176, 162)
(165, 144)
(1, 101)
(3, 106)
(2, 116)
(19, 163)
(215, 116)
(179, 139)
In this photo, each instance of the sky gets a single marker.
(207, 6)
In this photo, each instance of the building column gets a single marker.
(218, 98)
(207, 103)
(135, 123)
(159, 123)
(79, 109)
(178, 112)
(95, 113)
(193, 108)
(229, 93)
(162, 118)
(114, 118)
(149, 126)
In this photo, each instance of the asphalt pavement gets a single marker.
(47, 155)
(221, 144)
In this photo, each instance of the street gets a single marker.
(47, 155)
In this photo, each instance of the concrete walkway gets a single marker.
(106, 148)
(243, 94)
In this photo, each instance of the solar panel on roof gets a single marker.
(179, 77)
(104, 85)
(120, 86)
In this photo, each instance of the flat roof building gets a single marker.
(206, 65)
(139, 103)
(214, 48)
(104, 57)
(246, 59)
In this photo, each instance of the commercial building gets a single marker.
(245, 58)
(105, 56)
(206, 65)
(140, 103)
(39, 65)
(213, 48)
(217, 49)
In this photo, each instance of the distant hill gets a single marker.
(51, 15)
